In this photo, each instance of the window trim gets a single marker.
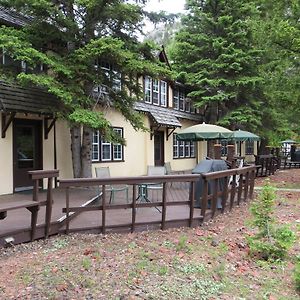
(155, 83)
(102, 143)
(184, 145)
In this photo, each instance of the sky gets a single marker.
(171, 6)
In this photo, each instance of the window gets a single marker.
(249, 147)
(155, 91)
(180, 102)
(183, 149)
(103, 151)
(112, 75)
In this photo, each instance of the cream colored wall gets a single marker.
(63, 149)
(138, 151)
(6, 162)
(179, 163)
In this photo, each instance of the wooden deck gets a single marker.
(83, 205)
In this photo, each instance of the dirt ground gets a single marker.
(208, 262)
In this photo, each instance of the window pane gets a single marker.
(118, 148)
(95, 146)
(155, 91)
(175, 146)
(181, 148)
(163, 93)
(187, 149)
(106, 151)
(176, 99)
(192, 149)
(148, 89)
(181, 101)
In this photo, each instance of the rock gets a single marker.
(215, 243)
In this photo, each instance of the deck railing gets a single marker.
(238, 185)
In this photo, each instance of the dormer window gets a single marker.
(181, 102)
(155, 91)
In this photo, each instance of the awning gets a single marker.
(164, 119)
(14, 98)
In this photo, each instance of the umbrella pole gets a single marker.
(197, 151)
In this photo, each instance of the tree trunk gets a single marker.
(86, 152)
(76, 150)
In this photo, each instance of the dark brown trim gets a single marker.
(5, 124)
(47, 128)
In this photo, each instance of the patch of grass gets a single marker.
(190, 268)
(182, 244)
(86, 263)
(25, 277)
(296, 275)
(162, 270)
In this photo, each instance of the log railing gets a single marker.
(238, 185)
(37, 176)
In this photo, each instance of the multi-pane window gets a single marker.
(249, 147)
(103, 151)
(155, 91)
(111, 75)
(183, 149)
(180, 102)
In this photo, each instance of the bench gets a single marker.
(32, 206)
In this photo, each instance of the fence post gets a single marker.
(103, 210)
(204, 198)
(192, 195)
(133, 208)
(164, 208)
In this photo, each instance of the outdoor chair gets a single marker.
(169, 171)
(103, 172)
(237, 177)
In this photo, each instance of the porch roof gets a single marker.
(14, 98)
(165, 116)
(12, 18)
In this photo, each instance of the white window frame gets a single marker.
(175, 146)
(95, 146)
(118, 147)
(108, 145)
(148, 89)
(163, 93)
(183, 149)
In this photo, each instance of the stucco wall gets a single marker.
(6, 162)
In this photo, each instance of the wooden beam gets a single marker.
(5, 124)
(168, 134)
(47, 128)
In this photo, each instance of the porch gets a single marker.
(83, 204)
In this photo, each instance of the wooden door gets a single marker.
(27, 151)
(159, 159)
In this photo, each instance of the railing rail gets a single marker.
(242, 187)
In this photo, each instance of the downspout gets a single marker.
(55, 154)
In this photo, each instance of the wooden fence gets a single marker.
(232, 186)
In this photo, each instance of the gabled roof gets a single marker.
(163, 116)
(15, 98)
(12, 18)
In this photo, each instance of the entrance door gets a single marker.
(159, 148)
(27, 151)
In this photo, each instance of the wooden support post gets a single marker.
(103, 210)
(133, 214)
(67, 210)
(204, 198)
(240, 189)
(217, 151)
(164, 207)
(232, 191)
(192, 201)
(214, 200)
(230, 153)
(225, 194)
(48, 207)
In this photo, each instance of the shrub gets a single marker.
(272, 241)
(297, 275)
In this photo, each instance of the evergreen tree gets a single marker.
(214, 55)
(73, 39)
(279, 22)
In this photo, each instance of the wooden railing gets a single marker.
(37, 176)
(230, 186)
(240, 188)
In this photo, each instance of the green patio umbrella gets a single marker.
(288, 141)
(242, 135)
(204, 131)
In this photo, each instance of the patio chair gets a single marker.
(103, 172)
(169, 171)
(237, 177)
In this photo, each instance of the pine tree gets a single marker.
(214, 55)
(73, 39)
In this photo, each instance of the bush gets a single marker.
(297, 275)
(272, 242)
